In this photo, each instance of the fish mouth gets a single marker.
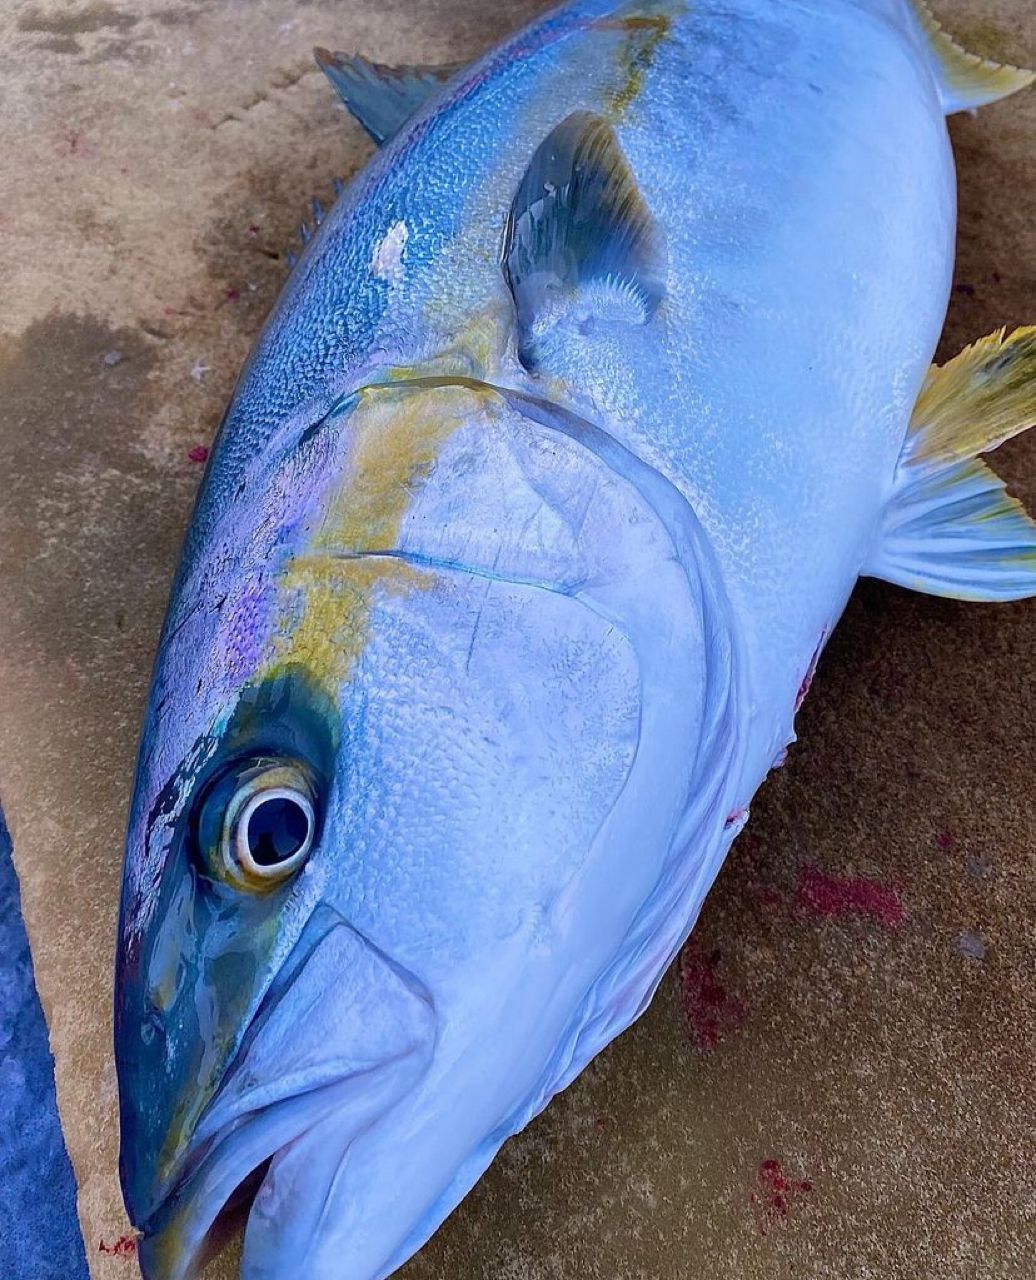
(371, 1046)
(214, 1194)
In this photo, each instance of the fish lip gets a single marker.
(235, 1136)
(174, 1236)
(321, 921)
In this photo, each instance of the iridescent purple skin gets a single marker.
(513, 607)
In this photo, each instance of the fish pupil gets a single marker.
(277, 830)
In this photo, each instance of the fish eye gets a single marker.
(257, 824)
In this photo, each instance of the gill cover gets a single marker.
(546, 817)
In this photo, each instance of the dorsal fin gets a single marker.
(579, 234)
(965, 80)
(380, 98)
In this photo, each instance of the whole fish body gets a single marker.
(547, 479)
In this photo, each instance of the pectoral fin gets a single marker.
(950, 528)
(380, 98)
(964, 79)
(581, 244)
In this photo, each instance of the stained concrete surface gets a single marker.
(836, 1082)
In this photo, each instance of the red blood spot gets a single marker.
(944, 841)
(199, 453)
(233, 295)
(837, 897)
(124, 1247)
(170, 311)
(711, 1012)
(253, 230)
(736, 816)
(774, 1194)
(811, 670)
(73, 143)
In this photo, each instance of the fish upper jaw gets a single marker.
(348, 1033)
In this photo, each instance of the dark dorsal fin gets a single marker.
(380, 98)
(579, 230)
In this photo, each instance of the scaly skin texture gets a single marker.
(538, 634)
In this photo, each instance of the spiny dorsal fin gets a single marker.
(380, 98)
(950, 528)
(965, 80)
(580, 235)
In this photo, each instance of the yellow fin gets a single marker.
(949, 527)
(976, 401)
(965, 80)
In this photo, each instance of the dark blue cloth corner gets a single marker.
(39, 1231)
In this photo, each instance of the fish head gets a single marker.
(432, 709)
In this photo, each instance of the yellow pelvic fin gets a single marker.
(976, 401)
(966, 80)
(949, 527)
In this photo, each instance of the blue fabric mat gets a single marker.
(39, 1231)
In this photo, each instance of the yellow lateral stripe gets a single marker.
(976, 401)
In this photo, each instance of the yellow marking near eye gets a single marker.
(328, 591)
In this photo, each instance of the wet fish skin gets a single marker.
(513, 554)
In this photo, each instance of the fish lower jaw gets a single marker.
(215, 1194)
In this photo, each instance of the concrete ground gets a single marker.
(836, 1081)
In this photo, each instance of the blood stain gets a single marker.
(838, 897)
(811, 671)
(200, 453)
(774, 1194)
(711, 1012)
(124, 1247)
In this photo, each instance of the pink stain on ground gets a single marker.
(73, 143)
(839, 897)
(944, 841)
(774, 1194)
(124, 1247)
(712, 1013)
(200, 453)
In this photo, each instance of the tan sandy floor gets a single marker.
(838, 1085)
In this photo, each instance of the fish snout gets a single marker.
(341, 1034)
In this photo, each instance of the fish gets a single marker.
(578, 419)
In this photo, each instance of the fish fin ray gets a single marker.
(381, 98)
(966, 80)
(951, 528)
(579, 231)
